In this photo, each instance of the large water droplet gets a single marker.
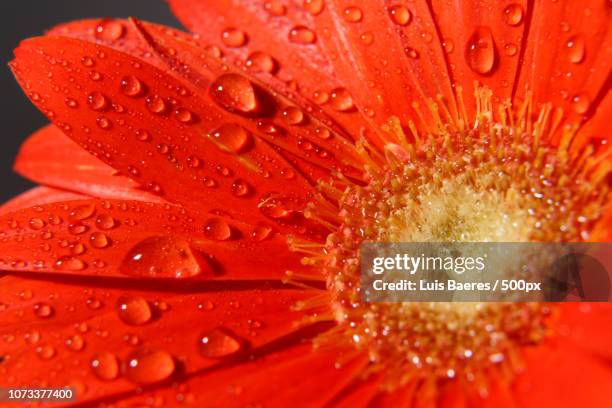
(43, 310)
(314, 7)
(513, 14)
(232, 137)
(480, 51)
(134, 310)
(341, 100)
(97, 101)
(146, 366)
(293, 115)
(353, 14)
(82, 212)
(218, 343)
(261, 62)
(131, 86)
(575, 49)
(105, 366)
(71, 264)
(155, 104)
(302, 35)
(400, 14)
(275, 7)
(164, 257)
(99, 240)
(217, 229)
(234, 93)
(234, 37)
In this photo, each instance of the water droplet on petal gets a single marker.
(110, 30)
(293, 115)
(155, 104)
(71, 103)
(71, 264)
(302, 35)
(103, 122)
(99, 240)
(218, 343)
(131, 86)
(314, 7)
(575, 49)
(82, 212)
(183, 115)
(105, 222)
(400, 14)
(261, 62)
(341, 100)
(275, 7)
(146, 366)
(513, 14)
(133, 310)
(43, 310)
(233, 37)
(105, 366)
(45, 352)
(87, 61)
(580, 103)
(411, 52)
(36, 223)
(232, 137)
(261, 232)
(218, 229)
(75, 343)
(353, 14)
(480, 51)
(97, 101)
(164, 257)
(240, 188)
(234, 93)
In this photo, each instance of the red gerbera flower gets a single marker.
(195, 238)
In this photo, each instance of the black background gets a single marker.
(20, 19)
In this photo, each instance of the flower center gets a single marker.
(495, 181)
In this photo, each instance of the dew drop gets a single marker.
(275, 7)
(105, 222)
(580, 103)
(183, 115)
(217, 229)
(233, 37)
(511, 49)
(314, 7)
(261, 232)
(143, 135)
(411, 52)
(147, 366)
(71, 103)
(218, 343)
(43, 310)
(134, 310)
(155, 104)
(341, 100)
(320, 97)
(480, 51)
(293, 115)
(103, 122)
(110, 30)
(261, 62)
(234, 93)
(240, 188)
(97, 101)
(575, 49)
(75, 343)
(164, 257)
(232, 137)
(105, 366)
(36, 223)
(131, 86)
(87, 61)
(353, 14)
(513, 14)
(82, 212)
(400, 15)
(302, 35)
(99, 240)
(69, 263)
(45, 352)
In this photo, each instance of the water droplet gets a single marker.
(353, 14)
(341, 100)
(261, 232)
(580, 103)
(480, 51)
(105, 366)
(513, 14)
(232, 137)
(103, 122)
(302, 35)
(233, 37)
(449, 45)
(146, 366)
(43, 310)
(575, 49)
(97, 101)
(131, 86)
(320, 97)
(293, 115)
(36, 223)
(143, 135)
(69, 263)
(105, 222)
(155, 104)
(183, 115)
(261, 62)
(82, 212)
(45, 352)
(99, 240)
(511, 49)
(164, 256)
(71, 103)
(110, 30)
(75, 343)
(134, 311)
(87, 61)
(234, 93)
(411, 52)
(240, 188)
(218, 343)
(218, 229)
(400, 14)
(314, 7)
(93, 303)
(275, 7)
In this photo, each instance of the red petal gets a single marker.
(389, 73)
(51, 332)
(38, 196)
(359, 394)
(175, 159)
(50, 157)
(304, 65)
(296, 374)
(562, 376)
(562, 74)
(142, 240)
(588, 325)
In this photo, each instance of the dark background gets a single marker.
(20, 19)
